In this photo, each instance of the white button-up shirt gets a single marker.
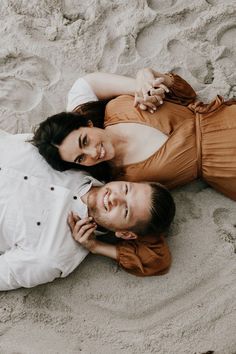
(36, 245)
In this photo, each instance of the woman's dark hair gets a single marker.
(51, 133)
(162, 212)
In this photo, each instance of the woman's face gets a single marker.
(87, 146)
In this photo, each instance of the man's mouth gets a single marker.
(102, 152)
(106, 201)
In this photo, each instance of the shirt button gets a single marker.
(25, 177)
(74, 197)
(38, 223)
(52, 188)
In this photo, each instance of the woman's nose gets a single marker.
(92, 152)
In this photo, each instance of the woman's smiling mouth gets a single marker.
(102, 152)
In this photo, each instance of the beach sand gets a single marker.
(44, 46)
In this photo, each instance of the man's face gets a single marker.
(118, 206)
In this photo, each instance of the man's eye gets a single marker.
(85, 140)
(126, 212)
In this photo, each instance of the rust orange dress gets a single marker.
(149, 255)
(201, 139)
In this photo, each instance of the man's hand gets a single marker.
(150, 90)
(83, 231)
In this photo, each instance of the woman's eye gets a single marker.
(126, 189)
(80, 159)
(126, 212)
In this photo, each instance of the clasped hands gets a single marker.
(150, 90)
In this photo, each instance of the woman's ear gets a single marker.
(126, 235)
(90, 124)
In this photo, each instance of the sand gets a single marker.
(44, 46)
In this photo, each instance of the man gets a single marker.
(35, 200)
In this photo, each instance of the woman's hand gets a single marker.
(150, 90)
(83, 231)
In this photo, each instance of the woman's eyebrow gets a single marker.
(80, 143)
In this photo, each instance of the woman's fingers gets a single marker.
(157, 84)
(157, 91)
(137, 98)
(150, 103)
(140, 102)
(158, 100)
(150, 100)
(157, 81)
(146, 88)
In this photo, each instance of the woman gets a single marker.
(186, 138)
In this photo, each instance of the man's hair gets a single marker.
(162, 212)
(51, 133)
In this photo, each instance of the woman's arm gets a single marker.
(106, 86)
(149, 256)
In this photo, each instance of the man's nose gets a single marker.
(116, 199)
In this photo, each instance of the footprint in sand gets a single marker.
(161, 4)
(23, 79)
(118, 51)
(188, 208)
(200, 67)
(226, 222)
(18, 95)
(34, 69)
(150, 40)
(227, 38)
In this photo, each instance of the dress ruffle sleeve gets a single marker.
(144, 257)
(180, 91)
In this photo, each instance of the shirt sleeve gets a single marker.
(81, 92)
(19, 269)
(145, 257)
(180, 91)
